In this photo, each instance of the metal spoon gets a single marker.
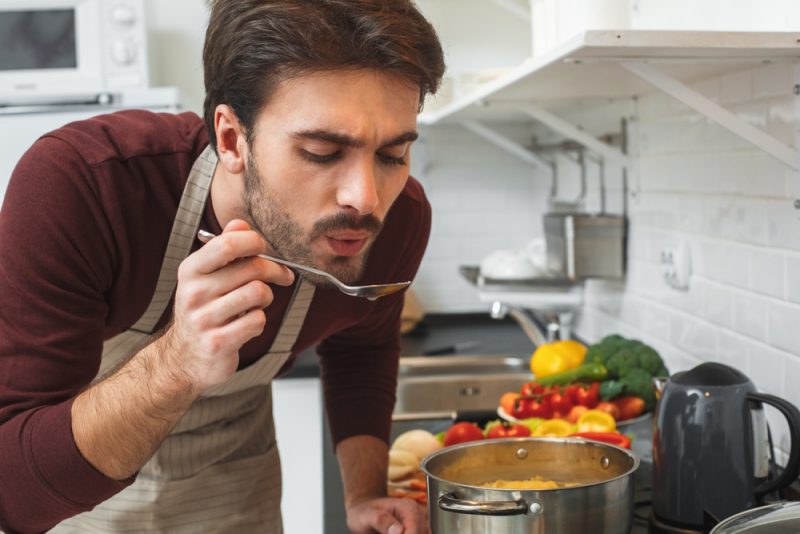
(372, 292)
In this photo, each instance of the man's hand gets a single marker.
(363, 461)
(219, 304)
(388, 516)
(222, 289)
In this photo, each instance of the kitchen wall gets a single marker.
(692, 182)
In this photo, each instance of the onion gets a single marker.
(401, 464)
(420, 443)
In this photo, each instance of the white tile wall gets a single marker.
(692, 182)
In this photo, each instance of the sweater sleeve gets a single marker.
(56, 256)
(359, 364)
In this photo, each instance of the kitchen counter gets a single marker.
(472, 333)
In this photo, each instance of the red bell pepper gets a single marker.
(614, 438)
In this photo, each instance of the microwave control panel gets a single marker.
(125, 58)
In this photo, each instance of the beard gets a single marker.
(287, 238)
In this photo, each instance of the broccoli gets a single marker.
(638, 382)
(611, 389)
(631, 365)
(622, 362)
(649, 360)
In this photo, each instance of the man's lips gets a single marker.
(347, 243)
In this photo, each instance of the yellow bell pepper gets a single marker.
(596, 421)
(554, 428)
(557, 357)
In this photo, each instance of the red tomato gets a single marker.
(507, 430)
(609, 408)
(462, 433)
(588, 397)
(629, 407)
(571, 392)
(508, 402)
(560, 405)
(532, 388)
(540, 408)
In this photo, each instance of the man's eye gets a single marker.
(320, 158)
(392, 160)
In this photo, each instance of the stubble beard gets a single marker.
(287, 238)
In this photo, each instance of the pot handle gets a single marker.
(792, 415)
(450, 503)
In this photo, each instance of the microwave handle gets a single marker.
(792, 469)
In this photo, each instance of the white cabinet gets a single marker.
(297, 406)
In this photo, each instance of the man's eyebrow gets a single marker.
(348, 141)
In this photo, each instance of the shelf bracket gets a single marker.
(508, 145)
(715, 112)
(571, 131)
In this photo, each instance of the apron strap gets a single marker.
(184, 232)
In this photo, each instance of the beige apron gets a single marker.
(219, 469)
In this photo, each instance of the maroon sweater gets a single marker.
(83, 230)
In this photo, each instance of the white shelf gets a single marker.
(591, 66)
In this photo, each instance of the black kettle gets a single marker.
(710, 448)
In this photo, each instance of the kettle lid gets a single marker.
(711, 374)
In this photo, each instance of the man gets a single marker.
(135, 361)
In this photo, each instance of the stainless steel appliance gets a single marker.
(602, 500)
(710, 448)
(581, 245)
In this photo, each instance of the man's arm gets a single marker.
(363, 461)
(219, 305)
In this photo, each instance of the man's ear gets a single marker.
(231, 139)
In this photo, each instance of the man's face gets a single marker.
(329, 157)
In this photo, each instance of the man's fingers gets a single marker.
(225, 249)
(220, 311)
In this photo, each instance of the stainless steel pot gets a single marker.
(602, 501)
(778, 518)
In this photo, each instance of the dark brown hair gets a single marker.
(253, 45)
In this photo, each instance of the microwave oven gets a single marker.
(62, 51)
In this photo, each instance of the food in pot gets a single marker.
(535, 483)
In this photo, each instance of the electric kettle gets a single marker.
(710, 448)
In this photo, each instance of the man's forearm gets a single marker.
(363, 461)
(119, 422)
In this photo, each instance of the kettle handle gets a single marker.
(792, 415)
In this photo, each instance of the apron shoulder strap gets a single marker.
(182, 236)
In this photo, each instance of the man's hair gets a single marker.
(253, 45)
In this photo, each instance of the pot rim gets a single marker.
(752, 516)
(471, 444)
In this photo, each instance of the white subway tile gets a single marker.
(767, 272)
(769, 176)
(694, 337)
(767, 368)
(793, 278)
(730, 351)
(750, 316)
(783, 220)
(717, 304)
(783, 325)
(790, 380)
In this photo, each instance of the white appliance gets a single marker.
(20, 126)
(71, 50)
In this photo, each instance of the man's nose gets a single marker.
(359, 190)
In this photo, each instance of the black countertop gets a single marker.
(472, 333)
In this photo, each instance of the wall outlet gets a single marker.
(677, 265)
